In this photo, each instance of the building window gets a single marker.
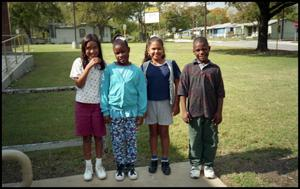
(81, 33)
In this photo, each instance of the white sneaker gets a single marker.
(195, 172)
(132, 174)
(209, 172)
(119, 175)
(100, 172)
(88, 173)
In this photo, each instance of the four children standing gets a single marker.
(125, 94)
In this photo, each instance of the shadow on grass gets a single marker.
(252, 52)
(259, 161)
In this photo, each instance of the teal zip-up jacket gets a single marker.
(123, 91)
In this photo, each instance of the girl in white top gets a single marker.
(86, 72)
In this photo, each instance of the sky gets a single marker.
(212, 5)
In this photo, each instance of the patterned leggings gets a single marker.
(123, 137)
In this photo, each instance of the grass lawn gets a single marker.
(258, 138)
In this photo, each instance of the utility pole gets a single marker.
(282, 26)
(205, 19)
(74, 44)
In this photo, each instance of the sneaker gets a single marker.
(100, 172)
(132, 174)
(88, 173)
(209, 172)
(165, 168)
(127, 168)
(195, 172)
(153, 166)
(120, 175)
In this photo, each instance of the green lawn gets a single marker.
(258, 135)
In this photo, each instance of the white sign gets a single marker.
(151, 17)
(173, 29)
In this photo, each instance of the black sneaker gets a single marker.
(120, 175)
(127, 168)
(165, 167)
(153, 166)
(132, 174)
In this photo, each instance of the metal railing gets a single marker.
(13, 47)
(26, 167)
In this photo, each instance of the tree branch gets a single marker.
(279, 6)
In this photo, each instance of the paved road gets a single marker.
(282, 45)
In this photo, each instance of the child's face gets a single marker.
(155, 50)
(91, 50)
(201, 51)
(121, 53)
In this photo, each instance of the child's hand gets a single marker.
(107, 119)
(139, 120)
(217, 119)
(175, 110)
(185, 117)
(94, 61)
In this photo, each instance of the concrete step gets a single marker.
(179, 178)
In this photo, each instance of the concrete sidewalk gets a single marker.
(179, 178)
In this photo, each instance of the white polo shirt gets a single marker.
(89, 93)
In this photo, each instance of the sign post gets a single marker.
(173, 31)
(151, 15)
(124, 29)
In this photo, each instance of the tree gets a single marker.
(267, 11)
(247, 12)
(194, 15)
(97, 13)
(101, 14)
(289, 13)
(29, 16)
(138, 9)
(217, 16)
(176, 16)
(262, 11)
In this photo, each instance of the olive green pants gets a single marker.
(203, 141)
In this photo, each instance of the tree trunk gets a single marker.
(262, 44)
(28, 33)
(143, 29)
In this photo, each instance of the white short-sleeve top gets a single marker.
(89, 93)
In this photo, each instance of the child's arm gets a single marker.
(217, 119)
(104, 89)
(80, 81)
(139, 120)
(183, 88)
(142, 94)
(184, 113)
(176, 108)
